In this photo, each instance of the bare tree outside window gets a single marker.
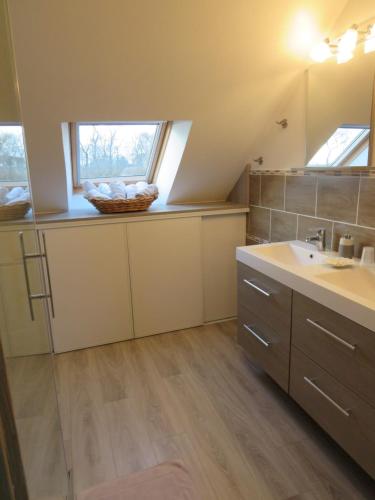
(12, 155)
(116, 150)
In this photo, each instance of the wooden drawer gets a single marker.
(340, 346)
(266, 347)
(341, 413)
(266, 297)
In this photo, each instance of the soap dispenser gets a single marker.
(346, 246)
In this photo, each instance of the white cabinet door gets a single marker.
(221, 235)
(166, 274)
(90, 285)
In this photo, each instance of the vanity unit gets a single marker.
(322, 358)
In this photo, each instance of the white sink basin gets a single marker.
(291, 253)
(301, 267)
(358, 281)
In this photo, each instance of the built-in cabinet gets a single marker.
(112, 281)
(90, 285)
(325, 361)
(165, 261)
(220, 237)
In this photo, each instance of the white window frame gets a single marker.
(351, 149)
(156, 153)
(354, 149)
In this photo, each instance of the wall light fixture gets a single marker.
(343, 47)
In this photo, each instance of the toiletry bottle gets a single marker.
(346, 247)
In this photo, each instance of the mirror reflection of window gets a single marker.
(13, 169)
(347, 146)
(338, 112)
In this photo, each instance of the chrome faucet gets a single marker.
(319, 239)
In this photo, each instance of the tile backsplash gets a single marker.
(292, 205)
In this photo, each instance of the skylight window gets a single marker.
(13, 170)
(347, 146)
(110, 151)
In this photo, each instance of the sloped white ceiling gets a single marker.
(223, 64)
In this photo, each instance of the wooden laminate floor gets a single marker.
(193, 395)
(32, 387)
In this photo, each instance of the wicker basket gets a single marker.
(119, 206)
(13, 212)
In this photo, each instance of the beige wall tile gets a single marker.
(254, 189)
(308, 226)
(362, 237)
(283, 226)
(272, 191)
(366, 213)
(337, 198)
(300, 194)
(259, 223)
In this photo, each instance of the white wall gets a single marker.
(285, 148)
(223, 65)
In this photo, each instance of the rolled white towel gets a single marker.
(104, 188)
(131, 191)
(95, 193)
(142, 188)
(154, 189)
(3, 194)
(119, 196)
(144, 192)
(118, 188)
(14, 193)
(20, 199)
(150, 190)
(88, 186)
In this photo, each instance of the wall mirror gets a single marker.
(339, 109)
(25, 348)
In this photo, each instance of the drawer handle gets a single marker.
(258, 337)
(257, 288)
(328, 398)
(332, 335)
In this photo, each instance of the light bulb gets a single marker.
(370, 40)
(348, 41)
(321, 52)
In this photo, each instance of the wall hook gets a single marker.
(259, 160)
(283, 123)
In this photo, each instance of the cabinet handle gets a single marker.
(26, 273)
(258, 337)
(328, 398)
(257, 288)
(332, 335)
(50, 295)
(35, 296)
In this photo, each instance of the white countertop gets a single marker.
(350, 295)
(89, 214)
(156, 209)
